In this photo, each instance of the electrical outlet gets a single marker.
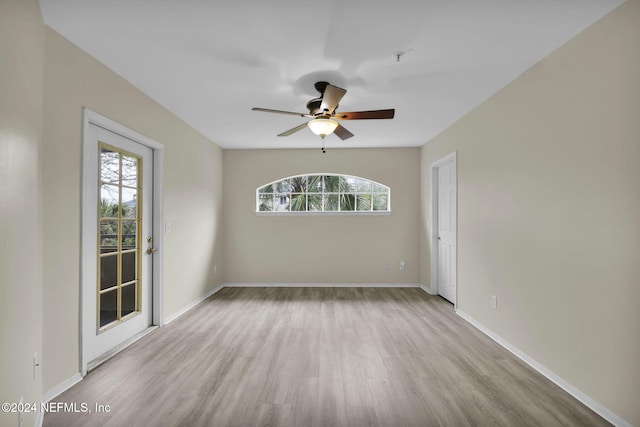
(494, 301)
(402, 265)
(215, 269)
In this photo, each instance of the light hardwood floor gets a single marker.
(320, 357)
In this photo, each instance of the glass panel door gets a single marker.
(117, 238)
(119, 290)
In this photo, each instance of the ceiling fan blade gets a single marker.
(362, 115)
(268, 110)
(294, 130)
(331, 97)
(342, 133)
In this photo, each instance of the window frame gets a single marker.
(283, 188)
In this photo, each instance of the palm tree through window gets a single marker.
(323, 193)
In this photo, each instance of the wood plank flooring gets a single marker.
(392, 357)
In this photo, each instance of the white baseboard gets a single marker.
(591, 403)
(192, 304)
(62, 387)
(428, 290)
(321, 285)
(55, 392)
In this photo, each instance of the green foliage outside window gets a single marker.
(323, 193)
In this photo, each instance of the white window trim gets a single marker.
(322, 213)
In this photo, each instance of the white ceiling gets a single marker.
(210, 61)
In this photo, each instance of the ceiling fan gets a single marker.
(323, 113)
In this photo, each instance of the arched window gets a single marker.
(323, 193)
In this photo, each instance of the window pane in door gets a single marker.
(129, 266)
(108, 236)
(109, 201)
(128, 299)
(108, 271)
(129, 171)
(129, 202)
(129, 234)
(109, 165)
(108, 307)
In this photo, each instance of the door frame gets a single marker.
(87, 255)
(433, 208)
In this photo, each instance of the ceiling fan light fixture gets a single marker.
(322, 127)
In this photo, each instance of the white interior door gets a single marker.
(117, 241)
(446, 234)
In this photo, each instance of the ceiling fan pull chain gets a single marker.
(323, 150)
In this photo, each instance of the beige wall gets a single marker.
(21, 56)
(549, 211)
(192, 194)
(320, 249)
(548, 208)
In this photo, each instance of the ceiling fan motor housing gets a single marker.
(314, 106)
(320, 87)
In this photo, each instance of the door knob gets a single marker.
(151, 251)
